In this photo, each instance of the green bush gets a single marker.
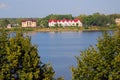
(19, 59)
(101, 62)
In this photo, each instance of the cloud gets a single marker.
(2, 5)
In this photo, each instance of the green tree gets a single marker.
(98, 19)
(58, 17)
(44, 23)
(5, 22)
(19, 59)
(3, 55)
(101, 62)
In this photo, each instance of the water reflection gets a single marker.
(60, 48)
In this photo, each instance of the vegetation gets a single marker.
(101, 62)
(19, 59)
(96, 19)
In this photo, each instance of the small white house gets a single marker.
(65, 22)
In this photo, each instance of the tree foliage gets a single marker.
(4, 22)
(98, 19)
(95, 19)
(101, 62)
(19, 59)
(59, 17)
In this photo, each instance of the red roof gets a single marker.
(64, 20)
(52, 20)
(76, 20)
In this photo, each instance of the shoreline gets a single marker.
(56, 29)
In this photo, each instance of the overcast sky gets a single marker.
(42, 8)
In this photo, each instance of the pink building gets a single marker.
(29, 23)
(65, 22)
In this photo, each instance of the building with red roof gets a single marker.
(65, 22)
(29, 23)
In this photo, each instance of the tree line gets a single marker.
(95, 19)
(98, 19)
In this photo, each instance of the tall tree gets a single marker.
(101, 62)
(19, 59)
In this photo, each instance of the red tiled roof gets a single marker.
(64, 20)
(52, 20)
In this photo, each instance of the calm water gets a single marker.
(60, 48)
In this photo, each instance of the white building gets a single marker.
(117, 21)
(9, 26)
(65, 22)
(29, 23)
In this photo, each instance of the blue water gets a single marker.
(60, 48)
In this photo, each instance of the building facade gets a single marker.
(29, 23)
(65, 22)
(117, 21)
(9, 26)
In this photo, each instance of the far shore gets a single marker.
(73, 29)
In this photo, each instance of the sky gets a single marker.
(43, 8)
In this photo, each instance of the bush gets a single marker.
(19, 59)
(101, 62)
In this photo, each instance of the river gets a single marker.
(60, 48)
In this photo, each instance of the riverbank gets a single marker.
(74, 29)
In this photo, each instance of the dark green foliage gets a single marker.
(3, 55)
(98, 19)
(19, 59)
(43, 23)
(59, 17)
(101, 62)
(4, 23)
